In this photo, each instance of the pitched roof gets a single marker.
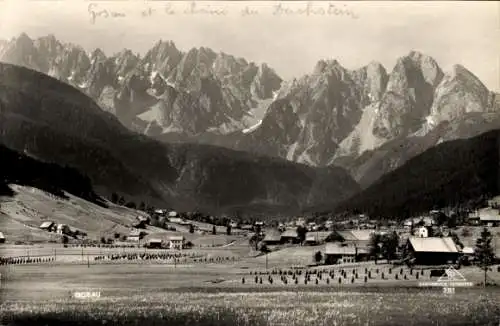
(176, 238)
(290, 234)
(337, 249)
(317, 236)
(272, 235)
(489, 214)
(356, 235)
(2, 236)
(468, 250)
(155, 240)
(46, 224)
(433, 244)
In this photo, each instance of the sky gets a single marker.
(289, 36)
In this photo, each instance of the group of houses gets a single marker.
(51, 226)
(488, 216)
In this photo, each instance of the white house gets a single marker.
(422, 232)
(176, 242)
(63, 229)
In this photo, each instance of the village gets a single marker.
(434, 239)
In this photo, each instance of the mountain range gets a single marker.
(368, 121)
(54, 123)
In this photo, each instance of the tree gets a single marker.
(390, 245)
(121, 201)
(483, 253)
(318, 257)
(456, 239)
(214, 230)
(264, 249)
(114, 198)
(301, 233)
(130, 204)
(142, 206)
(452, 221)
(65, 239)
(228, 229)
(375, 246)
(191, 228)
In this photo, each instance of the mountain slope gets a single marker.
(450, 173)
(21, 169)
(54, 122)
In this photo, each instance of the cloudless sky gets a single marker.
(465, 32)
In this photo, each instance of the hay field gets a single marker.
(189, 295)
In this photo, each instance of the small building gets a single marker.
(155, 243)
(246, 227)
(489, 217)
(422, 232)
(290, 236)
(176, 242)
(136, 235)
(172, 214)
(143, 219)
(316, 238)
(338, 253)
(272, 237)
(63, 229)
(48, 226)
(161, 212)
(2, 238)
(175, 219)
(433, 250)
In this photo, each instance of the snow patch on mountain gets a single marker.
(252, 128)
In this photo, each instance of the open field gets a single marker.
(214, 295)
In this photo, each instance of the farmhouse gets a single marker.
(48, 226)
(433, 250)
(272, 237)
(489, 217)
(155, 243)
(2, 238)
(315, 238)
(136, 235)
(336, 253)
(176, 242)
(290, 236)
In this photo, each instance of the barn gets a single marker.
(337, 253)
(290, 236)
(433, 250)
(155, 243)
(315, 238)
(2, 238)
(48, 226)
(272, 237)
